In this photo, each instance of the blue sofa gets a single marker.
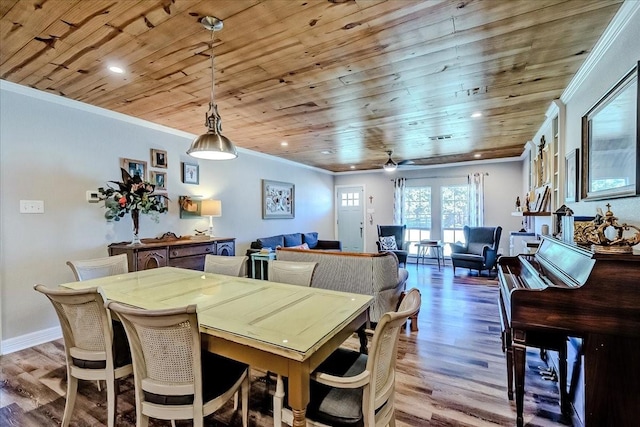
(288, 241)
(295, 239)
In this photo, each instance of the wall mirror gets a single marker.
(611, 143)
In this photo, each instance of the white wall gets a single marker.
(502, 186)
(617, 60)
(53, 149)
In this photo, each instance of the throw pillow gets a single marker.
(388, 243)
(302, 246)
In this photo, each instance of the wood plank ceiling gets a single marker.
(340, 81)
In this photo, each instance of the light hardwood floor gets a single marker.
(451, 372)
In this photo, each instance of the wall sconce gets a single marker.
(211, 208)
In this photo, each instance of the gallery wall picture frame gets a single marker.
(158, 158)
(190, 173)
(278, 199)
(571, 176)
(135, 167)
(164, 199)
(159, 179)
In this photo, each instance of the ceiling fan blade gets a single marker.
(405, 162)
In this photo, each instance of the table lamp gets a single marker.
(211, 208)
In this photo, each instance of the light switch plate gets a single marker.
(92, 196)
(32, 206)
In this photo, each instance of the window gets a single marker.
(417, 215)
(350, 199)
(455, 213)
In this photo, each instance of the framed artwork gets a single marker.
(190, 173)
(611, 143)
(571, 177)
(158, 158)
(164, 200)
(189, 208)
(278, 200)
(135, 167)
(159, 179)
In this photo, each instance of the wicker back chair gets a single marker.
(99, 267)
(174, 378)
(227, 265)
(89, 344)
(351, 388)
(292, 272)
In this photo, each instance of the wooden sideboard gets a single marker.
(173, 252)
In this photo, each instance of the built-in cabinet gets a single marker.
(173, 252)
(546, 169)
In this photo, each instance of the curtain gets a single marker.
(398, 200)
(476, 199)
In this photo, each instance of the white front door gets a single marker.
(350, 207)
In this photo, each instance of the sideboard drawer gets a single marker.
(191, 251)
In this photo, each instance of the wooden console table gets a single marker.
(173, 252)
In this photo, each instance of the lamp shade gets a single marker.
(211, 208)
(212, 146)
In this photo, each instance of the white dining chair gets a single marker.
(227, 265)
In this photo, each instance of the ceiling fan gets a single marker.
(390, 165)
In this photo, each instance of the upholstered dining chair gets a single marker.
(392, 238)
(99, 267)
(227, 265)
(89, 344)
(292, 272)
(354, 389)
(173, 377)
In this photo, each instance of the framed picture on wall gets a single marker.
(135, 167)
(278, 200)
(158, 158)
(159, 179)
(571, 177)
(190, 173)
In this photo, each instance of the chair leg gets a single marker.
(72, 391)
(246, 385)
(278, 398)
(111, 403)
(414, 322)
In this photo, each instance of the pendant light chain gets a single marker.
(213, 73)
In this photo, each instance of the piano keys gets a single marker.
(566, 291)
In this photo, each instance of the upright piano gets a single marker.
(564, 290)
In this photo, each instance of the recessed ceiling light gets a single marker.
(116, 69)
(477, 155)
(352, 166)
(284, 143)
(476, 114)
(326, 152)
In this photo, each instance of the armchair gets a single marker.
(480, 251)
(401, 247)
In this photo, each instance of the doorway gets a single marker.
(350, 217)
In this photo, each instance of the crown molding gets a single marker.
(619, 22)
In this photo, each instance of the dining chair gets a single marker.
(173, 377)
(89, 344)
(352, 388)
(99, 267)
(227, 265)
(292, 272)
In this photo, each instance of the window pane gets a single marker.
(417, 207)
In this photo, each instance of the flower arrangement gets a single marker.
(132, 195)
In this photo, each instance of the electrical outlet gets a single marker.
(92, 196)
(32, 206)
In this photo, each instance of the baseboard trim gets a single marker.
(29, 340)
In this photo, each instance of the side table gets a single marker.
(424, 246)
(262, 259)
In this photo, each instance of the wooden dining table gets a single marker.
(285, 329)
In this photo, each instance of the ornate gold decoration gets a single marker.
(608, 236)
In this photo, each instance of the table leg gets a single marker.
(299, 392)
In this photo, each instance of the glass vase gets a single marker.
(135, 217)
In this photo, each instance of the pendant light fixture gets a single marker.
(390, 165)
(212, 145)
